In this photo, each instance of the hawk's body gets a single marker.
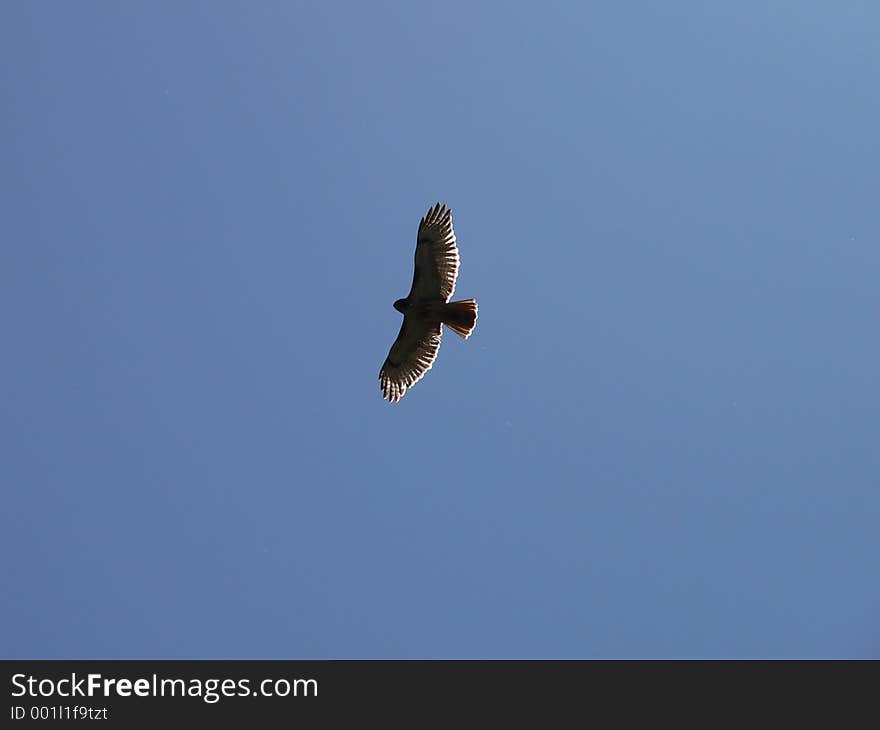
(427, 306)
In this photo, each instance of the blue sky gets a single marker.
(661, 440)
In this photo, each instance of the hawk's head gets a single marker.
(401, 305)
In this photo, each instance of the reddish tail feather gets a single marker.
(461, 317)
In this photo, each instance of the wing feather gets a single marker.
(411, 356)
(436, 259)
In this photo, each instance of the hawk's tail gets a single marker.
(461, 316)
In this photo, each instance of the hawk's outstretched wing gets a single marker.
(436, 261)
(411, 356)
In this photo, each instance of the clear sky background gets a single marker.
(661, 441)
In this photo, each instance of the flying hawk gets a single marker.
(427, 306)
